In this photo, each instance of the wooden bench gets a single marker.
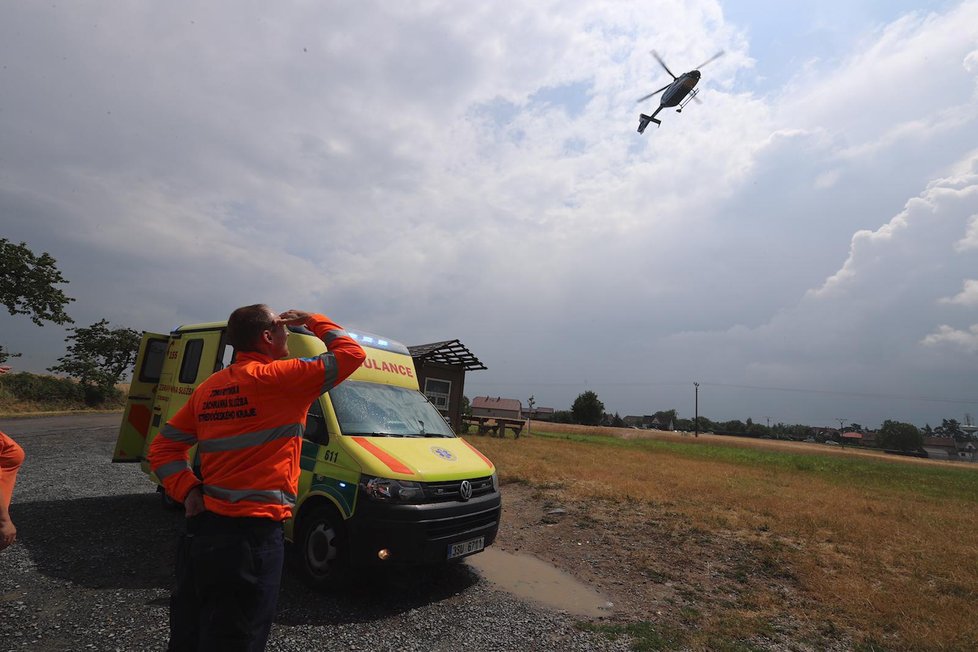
(495, 426)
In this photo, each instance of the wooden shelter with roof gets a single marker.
(441, 367)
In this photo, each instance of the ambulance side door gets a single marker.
(191, 358)
(139, 404)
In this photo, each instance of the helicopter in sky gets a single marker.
(678, 92)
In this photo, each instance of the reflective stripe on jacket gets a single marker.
(248, 420)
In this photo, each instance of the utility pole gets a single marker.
(696, 410)
(842, 424)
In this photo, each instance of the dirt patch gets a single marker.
(711, 589)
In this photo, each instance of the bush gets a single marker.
(899, 436)
(52, 393)
(28, 387)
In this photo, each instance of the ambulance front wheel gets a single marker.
(320, 549)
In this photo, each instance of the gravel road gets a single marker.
(94, 559)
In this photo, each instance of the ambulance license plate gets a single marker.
(463, 548)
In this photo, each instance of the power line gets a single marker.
(796, 390)
(830, 392)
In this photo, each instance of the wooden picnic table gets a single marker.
(495, 426)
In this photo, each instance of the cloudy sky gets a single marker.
(803, 243)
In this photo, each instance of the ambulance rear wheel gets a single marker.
(321, 549)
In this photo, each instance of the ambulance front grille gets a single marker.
(437, 492)
(462, 524)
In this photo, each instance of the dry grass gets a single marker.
(885, 549)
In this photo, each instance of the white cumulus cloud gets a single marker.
(967, 297)
(965, 340)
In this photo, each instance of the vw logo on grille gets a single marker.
(465, 490)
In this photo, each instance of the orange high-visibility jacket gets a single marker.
(11, 457)
(248, 420)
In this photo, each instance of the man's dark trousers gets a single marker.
(228, 576)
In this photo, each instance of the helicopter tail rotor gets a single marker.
(644, 120)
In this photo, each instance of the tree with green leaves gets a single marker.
(896, 435)
(587, 409)
(758, 430)
(735, 426)
(799, 431)
(98, 357)
(563, 416)
(951, 428)
(6, 355)
(27, 284)
(27, 287)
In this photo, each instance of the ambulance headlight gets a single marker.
(495, 481)
(389, 490)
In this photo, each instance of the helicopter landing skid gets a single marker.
(692, 95)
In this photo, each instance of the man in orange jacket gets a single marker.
(247, 421)
(11, 457)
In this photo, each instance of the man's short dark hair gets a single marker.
(246, 324)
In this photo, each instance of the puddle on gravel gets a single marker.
(528, 577)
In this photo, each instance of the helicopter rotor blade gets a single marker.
(652, 94)
(715, 56)
(662, 63)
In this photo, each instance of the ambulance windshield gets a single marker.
(372, 410)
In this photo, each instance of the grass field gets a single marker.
(884, 548)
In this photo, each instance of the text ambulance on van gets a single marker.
(384, 480)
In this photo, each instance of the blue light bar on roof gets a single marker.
(377, 342)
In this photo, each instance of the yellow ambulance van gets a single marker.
(384, 478)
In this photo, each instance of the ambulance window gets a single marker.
(225, 354)
(316, 425)
(153, 361)
(438, 391)
(191, 360)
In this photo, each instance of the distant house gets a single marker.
(649, 422)
(825, 433)
(541, 413)
(941, 448)
(488, 406)
(858, 437)
(660, 422)
(968, 453)
(946, 448)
